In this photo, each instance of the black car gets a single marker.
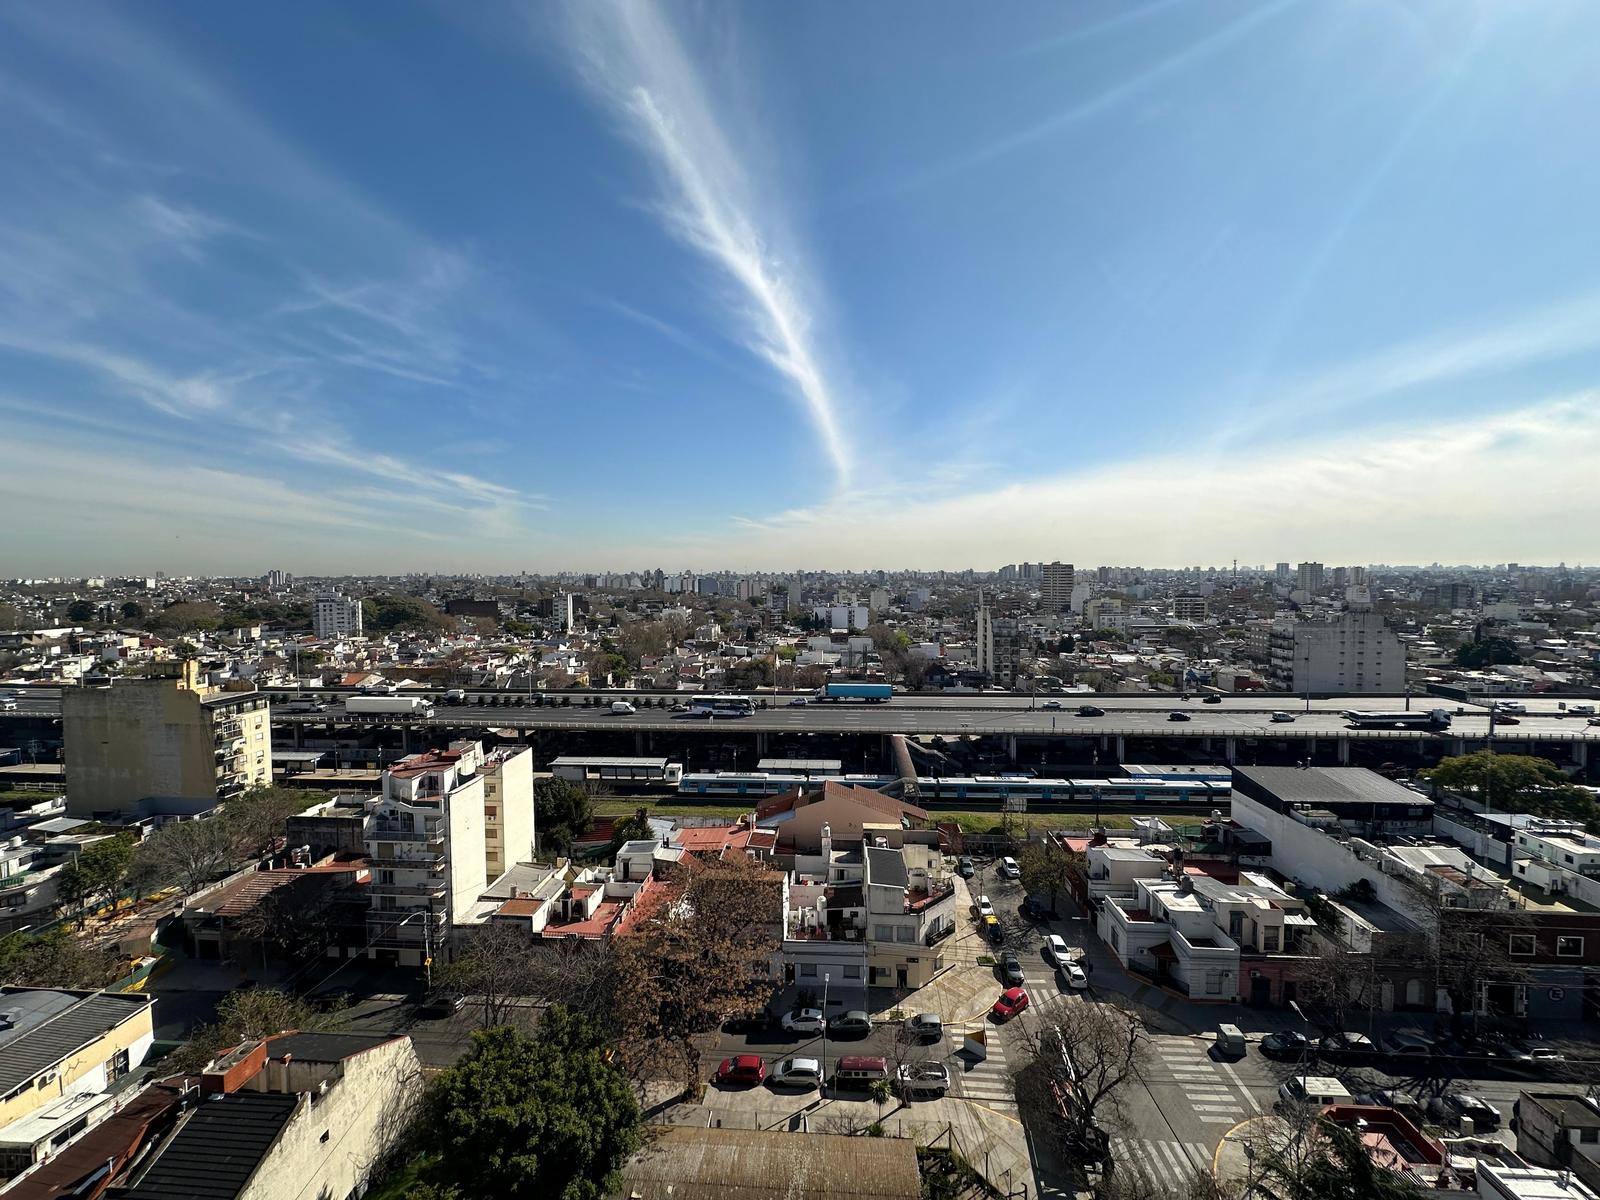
(855, 1023)
(1089, 710)
(441, 1004)
(1286, 1043)
(1212, 698)
(332, 999)
(1177, 716)
(1033, 908)
(1011, 969)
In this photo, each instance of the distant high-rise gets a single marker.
(1055, 586)
(1283, 572)
(1309, 577)
(335, 615)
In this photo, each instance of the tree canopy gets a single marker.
(561, 811)
(383, 613)
(531, 1118)
(1487, 652)
(1515, 783)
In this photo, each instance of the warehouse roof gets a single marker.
(215, 1152)
(43, 1026)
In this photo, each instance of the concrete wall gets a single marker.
(334, 1139)
(134, 739)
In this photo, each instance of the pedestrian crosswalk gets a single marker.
(988, 1080)
(1166, 1166)
(1212, 1088)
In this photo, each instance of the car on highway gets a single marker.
(1285, 1043)
(621, 708)
(1594, 720)
(1009, 868)
(855, 1023)
(1177, 716)
(1515, 707)
(1011, 969)
(1055, 948)
(804, 1020)
(926, 1027)
(742, 1068)
(1280, 718)
(1051, 706)
(8, 703)
(981, 908)
(797, 1072)
(679, 708)
(1077, 978)
(1089, 710)
(1211, 698)
(922, 1079)
(1011, 1002)
(964, 867)
(798, 702)
(1581, 710)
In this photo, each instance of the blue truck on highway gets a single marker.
(872, 693)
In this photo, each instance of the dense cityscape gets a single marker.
(676, 600)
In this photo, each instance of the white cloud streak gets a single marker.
(634, 59)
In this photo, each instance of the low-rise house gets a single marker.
(1556, 1129)
(848, 811)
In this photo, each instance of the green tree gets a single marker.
(186, 616)
(80, 612)
(630, 829)
(94, 873)
(531, 1118)
(1049, 869)
(382, 613)
(1487, 652)
(133, 611)
(255, 1013)
(561, 812)
(1339, 1167)
(55, 960)
(604, 664)
(1514, 783)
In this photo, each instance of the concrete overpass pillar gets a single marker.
(1011, 749)
(1122, 748)
(1311, 749)
(1344, 752)
(761, 745)
(1458, 747)
(1580, 753)
(1230, 749)
(638, 742)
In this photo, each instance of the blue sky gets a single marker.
(500, 287)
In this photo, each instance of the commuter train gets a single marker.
(983, 789)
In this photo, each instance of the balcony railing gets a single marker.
(426, 888)
(384, 833)
(937, 935)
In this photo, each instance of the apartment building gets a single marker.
(59, 1052)
(1189, 608)
(427, 845)
(998, 646)
(166, 743)
(1309, 577)
(335, 615)
(1354, 652)
(507, 773)
(1055, 587)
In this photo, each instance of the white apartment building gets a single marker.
(1354, 652)
(1107, 612)
(1055, 586)
(507, 774)
(335, 615)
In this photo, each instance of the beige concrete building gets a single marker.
(507, 773)
(164, 743)
(61, 1044)
(849, 812)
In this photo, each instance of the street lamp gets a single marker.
(1305, 1055)
(825, 1026)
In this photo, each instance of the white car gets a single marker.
(805, 1020)
(1075, 975)
(1515, 707)
(797, 1072)
(1009, 868)
(1281, 717)
(1056, 947)
(923, 1079)
(983, 907)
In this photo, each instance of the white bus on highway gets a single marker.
(721, 706)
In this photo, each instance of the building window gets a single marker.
(1213, 982)
(883, 933)
(1523, 945)
(852, 972)
(491, 811)
(904, 933)
(1589, 1135)
(1269, 941)
(1568, 946)
(808, 970)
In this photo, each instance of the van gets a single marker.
(1313, 1089)
(857, 1072)
(621, 708)
(1230, 1041)
(1515, 707)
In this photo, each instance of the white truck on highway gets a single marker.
(410, 706)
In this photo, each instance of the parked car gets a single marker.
(742, 1068)
(857, 1072)
(1051, 706)
(855, 1023)
(1285, 1043)
(1407, 1043)
(804, 1020)
(982, 908)
(1033, 908)
(1076, 977)
(1312, 1089)
(332, 999)
(1011, 1002)
(927, 1027)
(1090, 710)
(797, 1072)
(1055, 947)
(1009, 868)
(1011, 969)
(1348, 1045)
(441, 1004)
(1177, 716)
(1467, 1110)
(964, 867)
(989, 926)
(1385, 1098)
(922, 1079)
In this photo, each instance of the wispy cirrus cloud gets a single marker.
(636, 62)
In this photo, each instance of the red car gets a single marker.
(1011, 1002)
(742, 1068)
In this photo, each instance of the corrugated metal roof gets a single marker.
(65, 1028)
(735, 1164)
(217, 1150)
(886, 867)
(325, 1047)
(1330, 785)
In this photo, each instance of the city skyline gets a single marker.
(368, 291)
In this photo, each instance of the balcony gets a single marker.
(388, 833)
(434, 887)
(424, 860)
(939, 934)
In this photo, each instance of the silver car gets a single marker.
(923, 1079)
